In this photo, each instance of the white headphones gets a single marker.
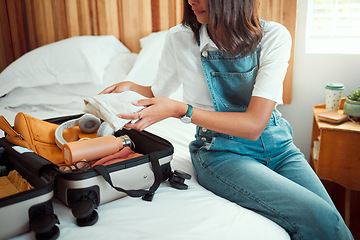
(87, 123)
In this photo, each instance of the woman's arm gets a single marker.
(127, 85)
(249, 124)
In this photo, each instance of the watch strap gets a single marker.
(189, 111)
(187, 117)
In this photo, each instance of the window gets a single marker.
(333, 26)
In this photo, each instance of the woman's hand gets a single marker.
(127, 85)
(157, 109)
(117, 88)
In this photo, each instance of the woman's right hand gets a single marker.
(117, 88)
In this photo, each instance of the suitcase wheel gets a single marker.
(88, 221)
(178, 178)
(51, 235)
(44, 226)
(85, 213)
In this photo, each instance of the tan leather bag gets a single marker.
(34, 134)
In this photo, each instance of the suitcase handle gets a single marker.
(146, 195)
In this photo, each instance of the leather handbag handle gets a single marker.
(146, 195)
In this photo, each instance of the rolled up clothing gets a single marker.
(109, 106)
(122, 155)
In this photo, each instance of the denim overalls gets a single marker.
(270, 175)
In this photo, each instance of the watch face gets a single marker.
(185, 119)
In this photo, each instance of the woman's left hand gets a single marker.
(157, 109)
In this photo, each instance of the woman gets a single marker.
(232, 66)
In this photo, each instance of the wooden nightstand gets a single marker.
(335, 153)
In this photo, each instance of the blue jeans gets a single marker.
(269, 176)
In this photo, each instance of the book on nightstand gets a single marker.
(333, 117)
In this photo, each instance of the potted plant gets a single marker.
(352, 104)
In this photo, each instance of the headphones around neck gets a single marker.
(87, 123)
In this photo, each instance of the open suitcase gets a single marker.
(31, 209)
(136, 177)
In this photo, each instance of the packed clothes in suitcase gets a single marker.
(83, 184)
(25, 197)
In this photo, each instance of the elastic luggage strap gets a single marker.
(146, 194)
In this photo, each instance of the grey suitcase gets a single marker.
(137, 177)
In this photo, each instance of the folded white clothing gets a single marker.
(109, 106)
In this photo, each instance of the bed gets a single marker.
(53, 80)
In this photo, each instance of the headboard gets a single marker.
(25, 25)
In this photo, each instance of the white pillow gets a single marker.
(119, 66)
(58, 94)
(147, 62)
(74, 60)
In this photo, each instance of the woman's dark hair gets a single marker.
(237, 21)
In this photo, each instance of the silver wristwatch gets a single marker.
(187, 117)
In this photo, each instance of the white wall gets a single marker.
(311, 73)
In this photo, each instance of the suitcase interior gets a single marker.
(144, 142)
(28, 207)
(14, 160)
